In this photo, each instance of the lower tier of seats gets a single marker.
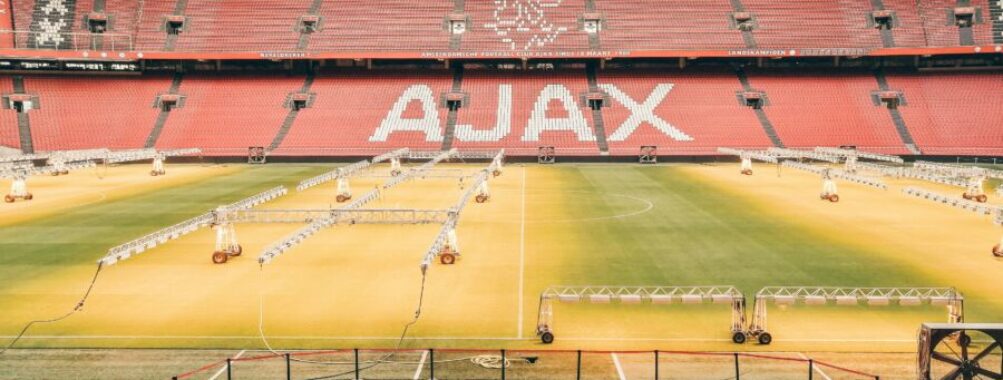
(617, 112)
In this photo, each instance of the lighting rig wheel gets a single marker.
(10, 199)
(738, 337)
(481, 198)
(219, 257)
(64, 172)
(547, 337)
(765, 338)
(747, 172)
(823, 197)
(964, 340)
(447, 258)
(28, 197)
(237, 251)
(966, 196)
(341, 198)
(997, 250)
(154, 173)
(496, 173)
(834, 198)
(55, 173)
(394, 173)
(982, 198)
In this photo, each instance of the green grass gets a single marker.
(39, 247)
(696, 233)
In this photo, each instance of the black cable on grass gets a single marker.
(372, 363)
(80, 306)
(417, 314)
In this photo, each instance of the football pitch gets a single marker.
(357, 286)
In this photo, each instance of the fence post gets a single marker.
(656, 364)
(357, 374)
(578, 370)
(289, 369)
(431, 364)
(229, 375)
(503, 363)
(738, 375)
(811, 369)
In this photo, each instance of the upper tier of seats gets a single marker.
(356, 112)
(513, 27)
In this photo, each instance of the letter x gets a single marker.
(640, 113)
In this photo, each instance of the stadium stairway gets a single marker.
(304, 38)
(747, 36)
(597, 120)
(449, 131)
(158, 126)
(764, 120)
(291, 116)
(900, 125)
(23, 121)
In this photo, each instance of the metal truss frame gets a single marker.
(836, 173)
(859, 154)
(350, 170)
(148, 241)
(964, 204)
(605, 294)
(338, 216)
(757, 155)
(953, 170)
(802, 154)
(852, 296)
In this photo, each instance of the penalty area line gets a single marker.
(225, 366)
(815, 367)
(619, 369)
(421, 363)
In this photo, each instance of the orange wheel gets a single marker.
(237, 251)
(834, 198)
(219, 257)
(481, 198)
(153, 173)
(966, 196)
(982, 198)
(28, 197)
(997, 251)
(496, 173)
(8, 198)
(447, 258)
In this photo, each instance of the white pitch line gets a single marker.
(417, 372)
(221, 370)
(817, 368)
(522, 253)
(619, 369)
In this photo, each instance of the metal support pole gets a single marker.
(357, 374)
(229, 374)
(289, 369)
(656, 364)
(811, 369)
(503, 364)
(431, 364)
(737, 373)
(578, 370)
